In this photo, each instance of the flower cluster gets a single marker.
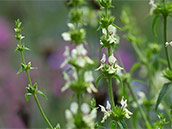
(77, 58)
(74, 35)
(85, 83)
(112, 67)
(111, 34)
(85, 118)
(118, 113)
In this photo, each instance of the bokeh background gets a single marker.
(43, 22)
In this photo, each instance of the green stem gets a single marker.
(111, 93)
(42, 112)
(134, 97)
(35, 97)
(140, 108)
(165, 40)
(79, 102)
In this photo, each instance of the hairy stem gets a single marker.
(34, 95)
(165, 40)
(42, 112)
(111, 93)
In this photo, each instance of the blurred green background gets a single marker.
(43, 23)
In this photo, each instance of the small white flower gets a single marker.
(85, 108)
(22, 37)
(124, 107)
(88, 60)
(112, 33)
(81, 50)
(168, 44)
(112, 60)
(66, 36)
(111, 69)
(153, 6)
(107, 111)
(127, 113)
(103, 60)
(67, 56)
(74, 107)
(71, 26)
(68, 114)
(88, 76)
(67, 79)
(66, 52)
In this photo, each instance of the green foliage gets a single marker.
(105, 3)
(167, 74)
(163, 91)
(161, 122)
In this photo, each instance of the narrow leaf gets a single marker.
(112, 125)
(124, 125)
(19, 71)
(42, 94)
(134, 67)
(100, 48)
(116, 26)
(27, 96)
(26, 48)
(98, 79)
(154, 24)
(117, 77)
(162, 93)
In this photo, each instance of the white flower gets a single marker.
(88, 77)
(124, 107)
(112, 33)
(85, 108)
(168, 44)
(81, 50)
(71, 26)
(79, 54)
(112, 60)
(89, 118)
(103, 60)
(111, 69)
(74, 107)
(68, 81)
(106, 111)
(153, 6)
(68, 114)
(67, 56)
(66, 36)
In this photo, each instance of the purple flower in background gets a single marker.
(5, 33)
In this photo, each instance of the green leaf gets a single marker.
(134, 67)
(19, 71)
(27, 96)
(112, 125)
(98, 79)
(118, 77)
(116, 26)
(26, 48)
(57, 126)
(163, 91)
(154, 24)
(100, 48)
(42, 94)
(124, 125)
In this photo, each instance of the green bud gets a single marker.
(76, 16)
(105, 3)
